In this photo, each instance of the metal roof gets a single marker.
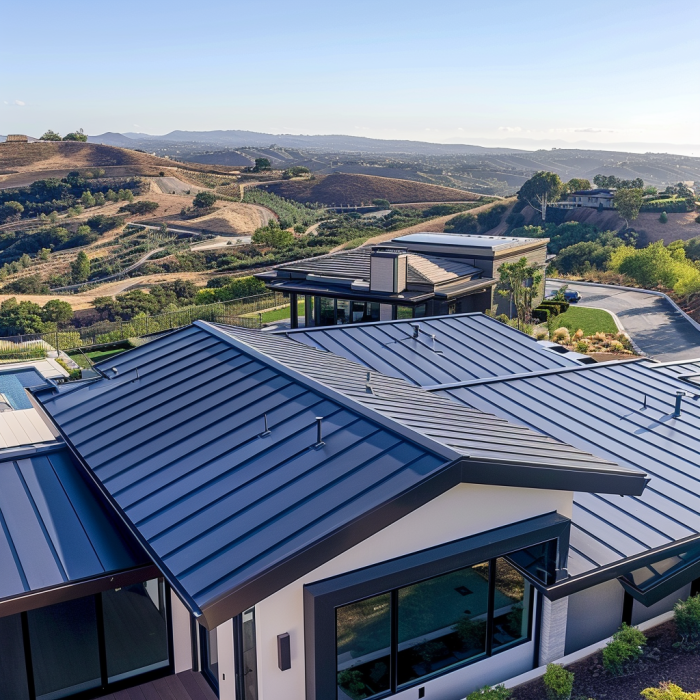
(686, 370)
(53, 529)
(448, 348)
(355, 264)
(176, 438)
(479, 436)
(465, 240)
(623, 412)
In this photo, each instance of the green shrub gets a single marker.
(668, 691)
(498, 692)
(626, 646)
(663, 218)
(686, 615)
(541, 315)
(558, 682)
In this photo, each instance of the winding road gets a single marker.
(657, 328)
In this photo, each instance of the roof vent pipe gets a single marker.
(267, 430)
(679, 402)
(416, 329)
(319, 432)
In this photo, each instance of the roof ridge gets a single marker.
(345, 400)
(527, 375)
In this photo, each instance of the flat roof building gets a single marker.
(422, 274)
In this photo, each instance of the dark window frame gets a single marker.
(322, 598)
(106, 687)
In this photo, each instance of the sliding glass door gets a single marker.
(87, 645)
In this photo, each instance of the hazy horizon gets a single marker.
(508, 74)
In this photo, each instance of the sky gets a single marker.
(504, 72)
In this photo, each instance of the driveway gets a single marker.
(656, 327)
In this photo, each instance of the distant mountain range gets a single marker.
(241, 139)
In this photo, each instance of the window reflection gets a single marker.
(511, 621)
(363, 641)
(442, 622)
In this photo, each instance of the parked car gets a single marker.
(572, 296)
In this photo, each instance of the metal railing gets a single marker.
(38, 345)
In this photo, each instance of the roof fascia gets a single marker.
(546, 477)
(618, 568)
(76, 589)
(665, 586)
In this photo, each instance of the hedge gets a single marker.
(541, 314)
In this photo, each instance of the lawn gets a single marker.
(276, 314)
(96, 356)
(590, 321)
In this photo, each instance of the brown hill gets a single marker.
(342, 189)
(682, 226)
(19, 161)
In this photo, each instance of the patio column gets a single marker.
(293, 311)
(553, 629)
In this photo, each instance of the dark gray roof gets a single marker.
(482, 437)
(175, 440)
(53, 529)
(466, 346)
(622, 412)
(355, 264)
(687, 370)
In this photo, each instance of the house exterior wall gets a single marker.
(642, 614)
(182, 634)
(594, 614)
(464, 510)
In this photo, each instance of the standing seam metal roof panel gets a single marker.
(624, 412)
(465, 347)
(175, 439)
(53, 529)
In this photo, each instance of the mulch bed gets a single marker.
(661, 662)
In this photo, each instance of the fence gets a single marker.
(29, 347)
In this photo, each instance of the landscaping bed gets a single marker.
(660, 662)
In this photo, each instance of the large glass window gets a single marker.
(363, 634)
(66, 642)
(343, 311)
(65, 651)
(511, 607)
(13, 669)
(403, 636)
(442, 622)
(136, 639)
(326, 311)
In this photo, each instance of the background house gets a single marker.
(416, 275)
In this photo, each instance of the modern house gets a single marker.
(416, 275)
(601, 198)
(399, 509)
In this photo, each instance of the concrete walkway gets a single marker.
(655, 326)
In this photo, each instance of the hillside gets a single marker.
(680, 227)
(355, 190)
(20, 161)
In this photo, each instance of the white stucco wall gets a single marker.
(465, 510)
(182, 639)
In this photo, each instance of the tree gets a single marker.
(80, 267)
(521, 282)
(576, 184)
(381, 203)
(628, 202)
(50, 136)
(99, 199)
(78, 135)
(663, 217)
(542, 188)
(20, 318)
(10, 211)
(57, 311)
(273, 237)
(261, 164)
(204, 200)
(87, 199)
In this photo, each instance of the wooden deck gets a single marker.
(187, 685)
